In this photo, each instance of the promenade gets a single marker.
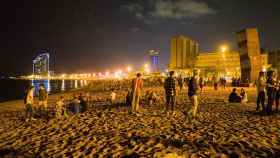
(221, 130)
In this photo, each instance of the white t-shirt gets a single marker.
(113, 96)
(29, 99)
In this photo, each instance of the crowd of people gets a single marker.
(267, 85)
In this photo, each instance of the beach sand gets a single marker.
(221, 130)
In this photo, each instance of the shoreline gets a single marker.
(18, 104)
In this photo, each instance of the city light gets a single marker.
(107, 73)
(129, 69)
(224, 48)
(146, 66)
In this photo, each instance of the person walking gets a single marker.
(29, 103)
(270, 87)
(261, 84)
(137, 86)
(170, 92)
(43, 99)
(193, 91)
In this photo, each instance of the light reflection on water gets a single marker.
(76, 84)
(56, 86)
(63, 85)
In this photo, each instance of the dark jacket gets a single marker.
(170, 86)
(193, 87)
(234, 98)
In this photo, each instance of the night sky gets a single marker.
(99, 35)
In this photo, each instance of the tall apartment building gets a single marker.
(183, 53)
(250, 54)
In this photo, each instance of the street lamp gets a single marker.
(129, 69)
(224, 48)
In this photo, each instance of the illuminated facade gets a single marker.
(41, 64)
(183, 53)
(250, 54)
(154, 60)
(218, 63)
(226, 64)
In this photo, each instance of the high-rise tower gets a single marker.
(250, 56)
(183, 53)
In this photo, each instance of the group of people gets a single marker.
(77, 104)
(234, 97)
(268, 85)
(193, 91)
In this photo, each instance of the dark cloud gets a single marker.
(169, 9)
(135, 29)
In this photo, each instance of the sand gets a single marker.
(221, 130)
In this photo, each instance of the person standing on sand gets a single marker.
(270, 87)
(112, 99)
(180, 82)
(201, 84)
(261, 83)
(277, 96)
(137, 86)
(29, 103)
(170, 92)
(193, 91)
(43, 98)
(59, 107)
(75, 104)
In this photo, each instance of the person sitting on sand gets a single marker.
(234, 97)
(59, 107)
(151, 97)
(243, 94)
(29, 103)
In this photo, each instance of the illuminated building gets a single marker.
(154, 60)
(223, 64)
(183, 53)
(250, 54)
(41, 64)
(274, 59)
(218, 63)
